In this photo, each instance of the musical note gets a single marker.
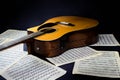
(104, 65)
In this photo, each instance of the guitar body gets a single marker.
(69, 32)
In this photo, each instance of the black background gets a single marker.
(21, 14)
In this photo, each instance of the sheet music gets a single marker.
(10, 56)
(12, 34)
(106, 40)
(33, 68)
(104, 65)
(72, 55)
(4, 40)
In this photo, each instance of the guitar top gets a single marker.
(62, 25)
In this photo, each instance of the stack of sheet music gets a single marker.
(17, 64)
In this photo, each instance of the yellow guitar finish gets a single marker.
(80, 23)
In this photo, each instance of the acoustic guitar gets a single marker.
(58, 34)
(67, 32)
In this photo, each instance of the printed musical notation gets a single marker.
(33, 68)
(10, 35)
(72, 55)
(106, 40)
(11, 56)
(15, 63)
(13, 34)
(105, 65)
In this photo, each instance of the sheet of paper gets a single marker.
(4, 40)
(10, 56)
(33, 68)
(105, 65)
(72, 55)
(106, 40)
(12, 34)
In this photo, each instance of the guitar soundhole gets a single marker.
(48, 30)
(53, 24)
(47, 25)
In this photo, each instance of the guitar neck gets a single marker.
(20, 40)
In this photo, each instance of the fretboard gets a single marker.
(23, 39)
